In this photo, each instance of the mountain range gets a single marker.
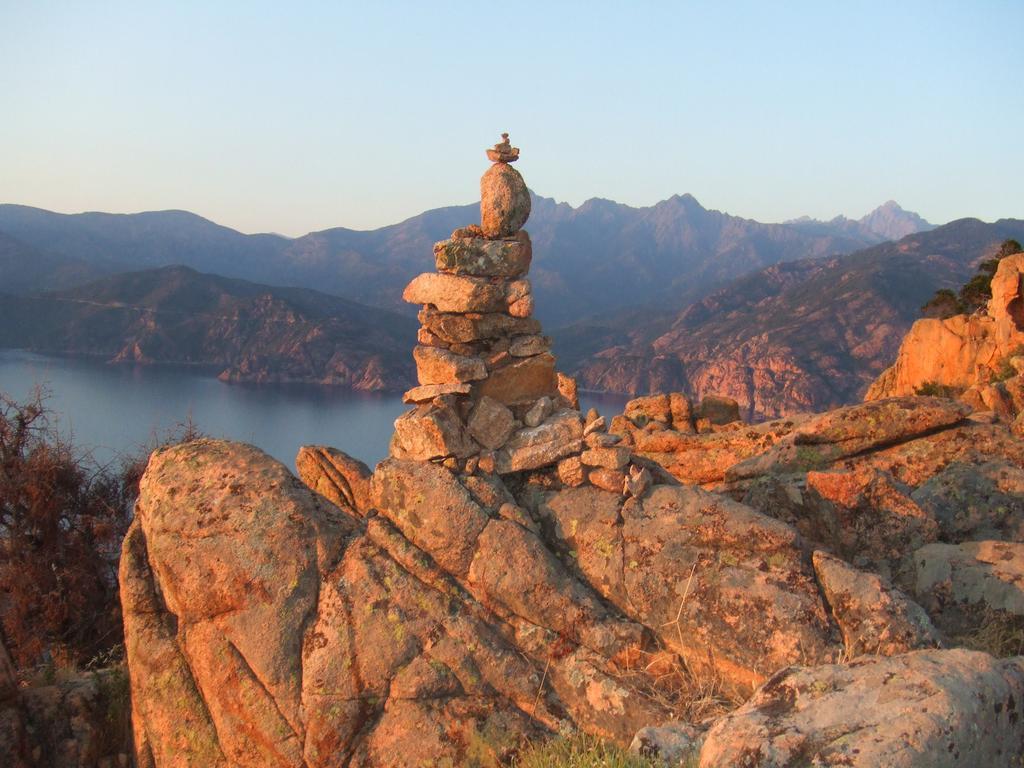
(796, 336)
(668, 297)
(599, 257)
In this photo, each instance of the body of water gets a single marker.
(113, 410)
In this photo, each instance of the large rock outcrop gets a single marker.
(731, 454)
(872, 483)
(267, 627)
(218, 599)
(692, 566)
(963, 350)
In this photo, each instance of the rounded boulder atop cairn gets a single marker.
(504, 198)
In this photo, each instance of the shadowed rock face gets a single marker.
(12, 727)
(875, 618)
(76, 719)
(336, 476)
(960, 583)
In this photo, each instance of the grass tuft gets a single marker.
(580, 751)
(999, 633)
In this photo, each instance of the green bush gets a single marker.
(1004, 369)
(934, 389)
(975, 293)
(1008, 248)
(942, 305)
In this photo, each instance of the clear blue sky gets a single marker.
(296, 116)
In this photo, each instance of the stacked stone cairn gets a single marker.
(489, 397)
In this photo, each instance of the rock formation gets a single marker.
(928, 715)
(516, 568)
(344, 481)
(489, 395)
(964, 351)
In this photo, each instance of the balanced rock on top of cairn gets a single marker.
(504, 198)
(489, 398)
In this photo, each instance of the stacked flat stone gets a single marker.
(489, 396)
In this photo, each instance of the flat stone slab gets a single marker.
(456, 328)
(831, 436)
(480, 257)
(541, 446)
(523, 381)
(427, 392)
(456, 293)
(435, 365)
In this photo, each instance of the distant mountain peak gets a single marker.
(891, 221)
(685, 201)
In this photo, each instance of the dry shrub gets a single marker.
(692, 692)
(61, 524)
(691, 688)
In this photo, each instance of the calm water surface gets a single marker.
(111, 410)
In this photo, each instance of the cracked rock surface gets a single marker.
(267, 626)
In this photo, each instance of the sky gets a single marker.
(299, 116)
